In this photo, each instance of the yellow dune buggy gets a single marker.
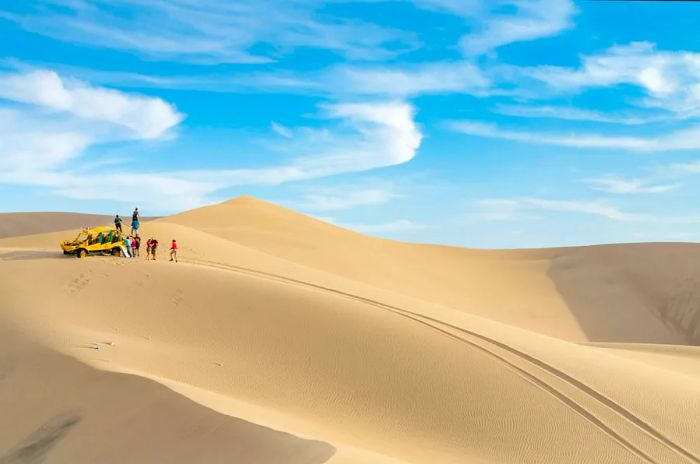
(103, 240)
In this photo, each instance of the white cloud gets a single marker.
(532, 19)
(568, 140)
(210, 31)
(619, 185)
(372, 135)
(496, 210)
(439, 77)
(683, 139)
(692, 167)
(511, 206)
(350, 197)
(281, 130)
(586, 207)
(145, 117)
(384, 81)
(220, 31)
(48, 150)
(399, 225)
(577, 114)
(670, 80)
(29, 142)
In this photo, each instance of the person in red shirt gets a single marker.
(173, 251)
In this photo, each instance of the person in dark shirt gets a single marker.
(118, 223)
(154, 248)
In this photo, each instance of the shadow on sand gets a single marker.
(36, 447)
(28, 255)
(632, 293)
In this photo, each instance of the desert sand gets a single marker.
(280, 338)
(16, 224)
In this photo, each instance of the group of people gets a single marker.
(135, 223)
(132, 243)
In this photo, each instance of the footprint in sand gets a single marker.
(78, 284)
(177, 299)
(98, 345)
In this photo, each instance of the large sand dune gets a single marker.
(17, 224)
(360, 350)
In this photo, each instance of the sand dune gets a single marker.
(18, 224)
(57, 410)
(374, 351)
(617, 293)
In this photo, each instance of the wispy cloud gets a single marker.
(577, 114)
(284, 131)
(503, 208)
(339, 81)
(618, 185)
(481, 129)
(335, 199)
(692, 167)
(145, 117)
(669, 79)
(399, 225)
(209, 31)
(683, 139)
(525, 20)
(372, 135)
(428, 78)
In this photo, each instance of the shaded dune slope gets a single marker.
(58, 410)
(633, 293)
(17, 224)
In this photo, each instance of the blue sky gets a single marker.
(504, 123)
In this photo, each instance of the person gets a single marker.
(134, 250)
(118, 223)
(135, 220)
(154, 248)
(148, 248)
(127, 246)
(173, 251)
(138, 245)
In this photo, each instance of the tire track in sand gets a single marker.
(556, 380)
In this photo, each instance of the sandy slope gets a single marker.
(631, 293)
(57, 410)
(17, 224)
(389, 352)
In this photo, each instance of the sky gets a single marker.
(478, 123)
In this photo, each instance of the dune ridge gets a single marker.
(387, 352)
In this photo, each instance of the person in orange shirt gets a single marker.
(173, 251)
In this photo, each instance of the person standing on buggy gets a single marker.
(135, 218)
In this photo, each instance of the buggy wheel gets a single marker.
(116, 252)
(82, 253)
